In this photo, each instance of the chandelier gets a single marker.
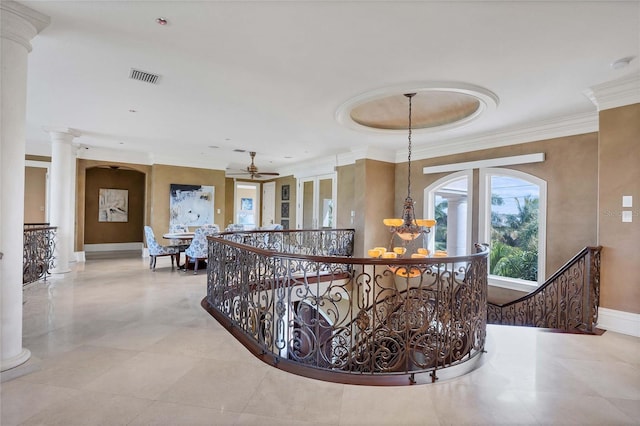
(407, 228)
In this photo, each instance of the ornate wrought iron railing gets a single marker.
(567, 301)
(344, 319)
(39, 244)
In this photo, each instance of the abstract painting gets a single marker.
(191, 205)
(113, 205)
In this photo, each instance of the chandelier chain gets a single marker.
(410, 96)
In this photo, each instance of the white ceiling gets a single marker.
(270, 76)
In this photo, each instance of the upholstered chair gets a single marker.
(156, 250)
(199, 248)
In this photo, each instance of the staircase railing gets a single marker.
(298, 300)
(567, 301)
(39, 244)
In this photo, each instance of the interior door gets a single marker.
(317, 202)
(268, 203)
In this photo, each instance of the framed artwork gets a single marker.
(246, 204)
(284, 210)
(113, 205)
(191, 205)
(284, 223)
(285, 193)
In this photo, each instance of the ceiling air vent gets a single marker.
(147, 77)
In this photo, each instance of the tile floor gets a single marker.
(116, 344)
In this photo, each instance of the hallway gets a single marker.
(115, 344)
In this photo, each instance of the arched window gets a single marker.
(512, 219)
(448, 201)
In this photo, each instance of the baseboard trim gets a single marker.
(113, 247)
(80, 256)
(619, 321)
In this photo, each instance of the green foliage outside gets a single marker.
(440, 237)
(514, 240)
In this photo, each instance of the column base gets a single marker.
(17, 360)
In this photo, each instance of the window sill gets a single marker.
(512, 283)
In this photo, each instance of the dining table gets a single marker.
(182, 240)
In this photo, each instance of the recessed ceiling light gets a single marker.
(161, 21)
(133, 110)
(239, 150)
(288, 156)
(213, 147)
(622, 62)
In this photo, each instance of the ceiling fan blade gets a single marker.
(269, 174)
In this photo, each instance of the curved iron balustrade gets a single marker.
(567, 301)
(39, 245)
(298, 301)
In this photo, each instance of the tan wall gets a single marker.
(81, 180)
(619, 157)
(229, 197)
(133, 181)
(291, 181)
(571, 172)
(35, 194)
(163, 176)
(345, 196)
(373, 195)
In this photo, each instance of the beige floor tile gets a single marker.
(146, 375)
(457, 404)
(137, 336)
(169, 414)
(381, 405)
(246, 419)
(211, 343)
(91, 408)
(290, 397)
(21, 400)
(220, 385)
(565, 409)
(114, 334)
(610, 379)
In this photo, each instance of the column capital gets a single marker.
(20, 23)
(61, 134)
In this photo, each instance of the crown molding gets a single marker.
(616, 93)
(373, 153)
(195, 161)
(560, 127)
(105, 154)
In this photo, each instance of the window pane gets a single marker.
(514, 228)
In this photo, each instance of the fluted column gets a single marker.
(19, 25)
(61, 181)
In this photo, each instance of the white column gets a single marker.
(19, 25)
(61, 181)
(456, 224)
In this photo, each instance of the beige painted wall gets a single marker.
(346, 194)
(35, 198)
(571, 172)
(619, 157)
(291, 181)
(163, 176)
(81, 181)
(96, 232)
(373, 186)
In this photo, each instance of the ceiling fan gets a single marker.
(252, 170)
